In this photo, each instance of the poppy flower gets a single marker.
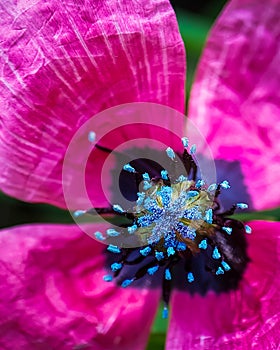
(62, 63)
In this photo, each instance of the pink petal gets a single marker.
(248, 318)
(63, 62)
(53, 295)
(235, 98)
(144, 137)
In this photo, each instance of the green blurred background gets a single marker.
(195, 20)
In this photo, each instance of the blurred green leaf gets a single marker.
(270, 215)
(156, 341)
(158, 334)
(160, 324)
(194, 30)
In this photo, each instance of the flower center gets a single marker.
(178, 219)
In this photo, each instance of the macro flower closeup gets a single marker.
(62, 63)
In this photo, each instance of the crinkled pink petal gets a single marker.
(248, 318)
(123, 134)
(64, 61)
(53, 295)
(235, 98)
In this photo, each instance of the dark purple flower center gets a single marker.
(182, 234)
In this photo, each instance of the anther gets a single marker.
(129, 168)
(91, 136)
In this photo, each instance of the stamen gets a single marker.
(116, 266)
(126, 283)
(190, 277)
(170, 153)
(203, 244)
(146, 251)
(193, 149)
(242, 205)
(185, 141)
(112, 232)
(165, 312)
(159, 255)
(91, 136)
(225, 185)
(118, 208)
(216, 254)
(199, 183)
(248, 229)
(146, 177)
(98, 235)
(228, 230)
(167, 274)
(152, 270)
(146, 185)
(170, 251)
(78, 213)
(108, 278)
(225, 266)
(113, 249)
(220, 271)
(129, 168)
(132, 229)
(212, 188)
(209, 216)
(182, 178)
(164, 174)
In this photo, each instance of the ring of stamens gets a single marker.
(174, 218)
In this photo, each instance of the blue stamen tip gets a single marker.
(146, 185)
(91, 136)
(228, 230)
(164, 174)
(203, 244)
(78, 213)
(159, 255)
(242, 205)
(152, 270)
(113, 249)
(116, 266)
(141, 197)
(200, 183)
(225, 185)
(108, 278)
(190, 277)
(192, 194)
(146, 251)
(117, 208)
(248, 229)
(170, 251)
(170, 153)
(193, 149)
(220, 271)
(112, 232)
(209, 216)
(165, 312)
(167, 274)
(132, 229)
(129, 168)
(225, 266)
(182, 178)
(185, 141)
(212, 187)
(216, 254)
(126, 283)
(146, 177)
(98, 235)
